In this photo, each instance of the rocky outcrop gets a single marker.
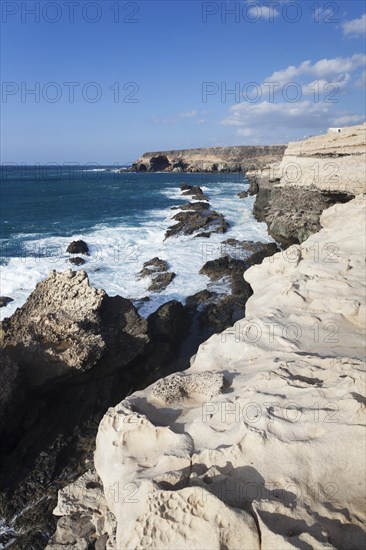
(78, 247)
(217, 310)
(66, 325)
(66, 356)
(260, 444)
(313, 175)
(196, 216)
(213, 159)
(157, 270)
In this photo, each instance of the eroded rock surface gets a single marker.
(260, 444)
(66, 324)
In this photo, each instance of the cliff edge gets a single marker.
(260, 444)
(313, 175)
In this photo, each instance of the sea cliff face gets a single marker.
(213, 159)
(312, 175)
(260, 444)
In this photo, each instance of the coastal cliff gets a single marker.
(213, 159)
(312, 175)
(260, 444)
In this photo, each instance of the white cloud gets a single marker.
(281, 122)
(355, 27)
(329, 88)
(348, 120)
(321, 69)
(309, 105)
(361, 82)
(177, 119)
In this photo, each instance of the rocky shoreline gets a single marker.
(71, 352)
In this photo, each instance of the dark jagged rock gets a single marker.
(156, 265)
(194, 191)
(190, 222)
(159, 163)
(11, 397)
(216, 312)
(199, 298)
(250, 251)
(222, 267)
(194, 217)
(222, 313)
(157, 269)
(78, 247)
(293, 213)
(161, 281)
(266, 250)
(77, 261)
(201, 206)
(205, 235)
(243, 194)
(5, 300)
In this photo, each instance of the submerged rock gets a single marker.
(77, 261)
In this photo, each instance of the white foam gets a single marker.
(117, 253)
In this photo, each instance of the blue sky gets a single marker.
(114, 79)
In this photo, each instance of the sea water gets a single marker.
(123, 217)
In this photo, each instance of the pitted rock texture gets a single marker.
(180, 387)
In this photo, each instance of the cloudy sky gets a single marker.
(106, 81)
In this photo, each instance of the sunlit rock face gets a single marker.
(260, 444)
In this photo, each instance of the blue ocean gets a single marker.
(122, 216)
